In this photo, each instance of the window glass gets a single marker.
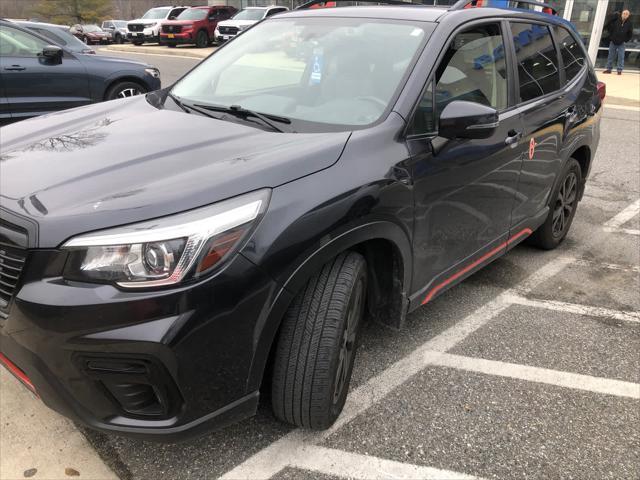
(537, 60)
(573, 56)
(473, 69)
(340, 73)
(16, 43)
(51, 36)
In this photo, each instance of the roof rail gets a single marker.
(546, 8)
(380, 2)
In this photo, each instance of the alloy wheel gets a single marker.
(347, 345)
(128, 92)
(565, 204)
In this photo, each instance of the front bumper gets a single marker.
(162, 365)
(178, 39)
(147, 35)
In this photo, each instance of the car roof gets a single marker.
(426, 13)
(28, 24)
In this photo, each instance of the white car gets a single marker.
(242, 20)
(147, 28)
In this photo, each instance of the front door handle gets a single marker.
(513, 138)
(16, 68)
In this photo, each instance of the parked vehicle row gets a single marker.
(46, 69)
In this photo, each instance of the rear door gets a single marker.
(34, 85)
(464, 188)
(544, 111)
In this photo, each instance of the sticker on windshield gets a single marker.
(316, 68)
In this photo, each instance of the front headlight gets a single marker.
(154, 72)
(167, 250)
(152, 24)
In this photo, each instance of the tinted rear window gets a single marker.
(538, 72)
(573, 56)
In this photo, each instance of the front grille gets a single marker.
(135, 27)
(171, 28)
(228, 30)
(11, 263)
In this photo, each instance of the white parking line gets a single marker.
(615, 224)
(583, 262)
(273, 458)
(575, 308)
(352, 465)
(576, 381)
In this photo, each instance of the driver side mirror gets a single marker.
(52, 53)
(462, 119)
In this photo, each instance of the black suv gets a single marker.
(327, 165)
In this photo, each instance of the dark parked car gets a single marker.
(58, 34)
(117, 28)
(194, 26)
(91, 34)
(265, 204)
(39, 77)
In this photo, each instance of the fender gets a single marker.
(268, 325)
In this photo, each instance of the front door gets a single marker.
(34, 85)
(464, 189)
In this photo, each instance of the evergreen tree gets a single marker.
(74, 11)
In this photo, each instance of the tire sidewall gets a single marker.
(544, 236)
(336, 407)
(200, 35)
(112, 94)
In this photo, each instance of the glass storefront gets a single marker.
(632, 48)
(589, 17)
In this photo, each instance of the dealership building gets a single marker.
(589, 17)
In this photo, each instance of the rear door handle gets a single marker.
(16, 68)
(513, 138)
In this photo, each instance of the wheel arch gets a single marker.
(583, 156)
(387, 250)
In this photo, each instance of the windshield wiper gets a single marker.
(241, 112)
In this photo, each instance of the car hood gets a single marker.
(236, 23)
(116, 61)
(126, 161)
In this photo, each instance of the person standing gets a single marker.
(620, 31)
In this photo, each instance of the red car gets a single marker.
(194, 26)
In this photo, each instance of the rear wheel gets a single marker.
(317, 344)
(137, 44)
(119, 39)
(562, 209)
(125, 90)
(202, 39)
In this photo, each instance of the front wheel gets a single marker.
(125, 90)
(562, 208)
(202, 39)
(317, 344)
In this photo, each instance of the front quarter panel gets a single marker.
(313, 219)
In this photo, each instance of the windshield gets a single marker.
(250, 14)
(91, 28)
(341, 73)
(121, 24)
(193, 14)
(156, 13)
(61, 37)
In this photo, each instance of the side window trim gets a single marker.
(546, 96)
(585, 54)
(510, 65)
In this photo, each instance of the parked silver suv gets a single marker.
(242, 20)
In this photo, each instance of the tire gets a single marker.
(202, 39)
(137, 44)
(171, 45)
(125, 90)
(562, 208)
(86, 41)
(317, 344)
(119, 40)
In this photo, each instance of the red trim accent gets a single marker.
(471, 266)
(16, 372)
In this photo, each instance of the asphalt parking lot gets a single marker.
(530, 368)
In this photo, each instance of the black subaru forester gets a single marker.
(326, 166)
